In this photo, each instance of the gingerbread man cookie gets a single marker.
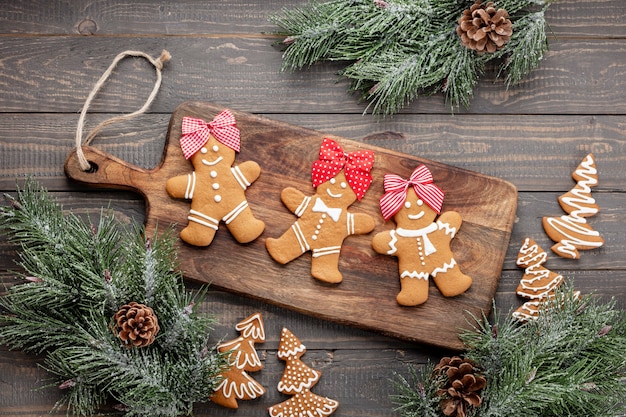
(421, 244)
(216, 188)
(324, 222)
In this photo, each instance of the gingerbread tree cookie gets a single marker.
(297, 381)
(571, 232)
(538, 283)
(421, 245)
(324, 222)
(236, 384)
(216, 188)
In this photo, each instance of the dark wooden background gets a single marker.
(533, 135)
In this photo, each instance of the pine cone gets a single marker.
(484, 28)
(460, 384)
(136, 325)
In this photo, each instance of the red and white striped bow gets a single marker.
(356, 165)
(396, 187)
(196, 133)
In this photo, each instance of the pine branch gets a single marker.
(79, 275)
(570, 361)
(398, 50)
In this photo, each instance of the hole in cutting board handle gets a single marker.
(93, 168)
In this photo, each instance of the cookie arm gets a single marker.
(361, 224)
(292, 199)
(381, 242)
(181, 186)
(250, 170)
(451, 218)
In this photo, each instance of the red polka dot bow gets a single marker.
(356, 165)
(396, 187)
(196, 133)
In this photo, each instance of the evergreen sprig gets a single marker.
(571, 361)
(78, 275)
(398, 50)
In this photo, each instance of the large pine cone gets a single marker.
(136, 325)
(460, 385)
(484, 28)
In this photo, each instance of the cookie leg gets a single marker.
(201, 229)
(287, 247)
(450, 280)
(325, 264)
(242, 224)
(413, 291)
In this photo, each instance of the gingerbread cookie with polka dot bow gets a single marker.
(339, 179)
(216, 187)
(421, 244)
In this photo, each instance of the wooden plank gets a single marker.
(55, 74)
(600, 18)
(129, 207)
(282, 151)
(534, 152)
(358, 379)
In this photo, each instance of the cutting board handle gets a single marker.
(107, 170)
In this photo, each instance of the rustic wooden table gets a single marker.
(533, 135)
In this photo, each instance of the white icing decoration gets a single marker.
(414, 274)
(252, 328)
(392, 243)
(232, 215)
(304, 246)
(444, 268)
(302, 207)
(329, 250)
(203, 219)
(215, 162)
(191, 185)
(533, 258)
(249, 389)
(447, 228)
(573, 227)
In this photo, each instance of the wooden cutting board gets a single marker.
(366, 297)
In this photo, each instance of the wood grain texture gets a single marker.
(600, 18)
(366, 297)
(244, 73)
(526, 150)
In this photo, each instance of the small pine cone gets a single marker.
(484, 28)
(460, 384)
(136, 325)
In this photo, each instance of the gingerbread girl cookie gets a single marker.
(215, 187)
(324, 222)
(421, 244)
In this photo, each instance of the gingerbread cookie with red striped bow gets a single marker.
(216, 188)
(340, 178)
(421, 244)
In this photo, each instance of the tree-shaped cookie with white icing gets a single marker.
(537, 284)
(235, 383)
(297, 381)
(571, 232)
